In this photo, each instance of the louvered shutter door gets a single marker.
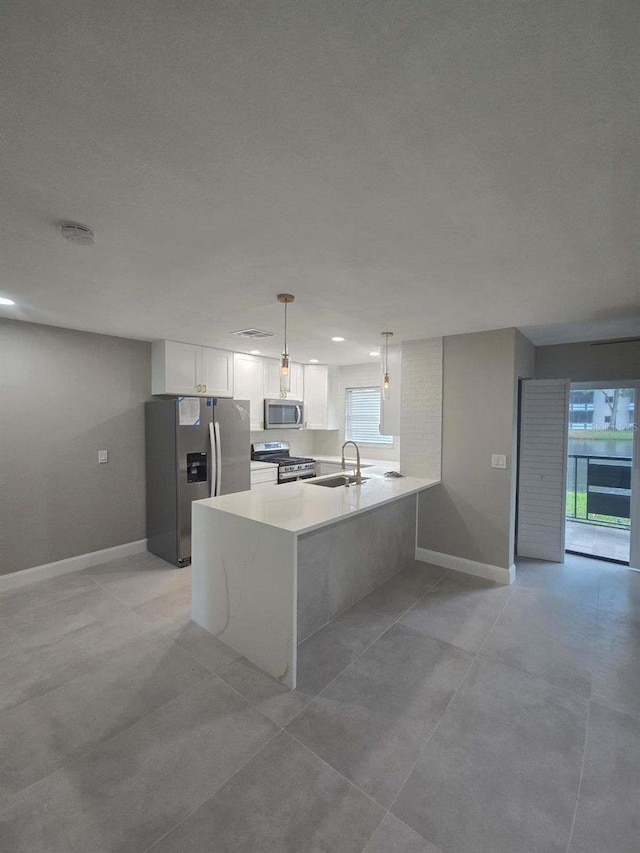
(543, 469)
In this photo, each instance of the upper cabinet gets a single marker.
(189, 370)
(319, 411)
(248, 384)
(272, 380)
(390, 402)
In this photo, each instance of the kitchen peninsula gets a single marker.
(271, 566)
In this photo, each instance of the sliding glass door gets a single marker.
(602, 471)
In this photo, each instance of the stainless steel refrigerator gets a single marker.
(196, 448)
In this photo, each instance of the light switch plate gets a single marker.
(103, 456)
(498, 460)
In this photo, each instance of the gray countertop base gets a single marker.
(339, 565)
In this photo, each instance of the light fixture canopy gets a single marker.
(386, 379)
(338, 340)
(314, 361)
(286, 299)
(4, 300)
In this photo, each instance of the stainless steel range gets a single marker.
(289, 467)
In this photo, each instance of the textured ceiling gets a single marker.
(429, 167)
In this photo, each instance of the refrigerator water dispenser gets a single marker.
(196, 467)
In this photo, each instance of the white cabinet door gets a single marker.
(272, 380)
(390, 407)
(248, 385)
(175, 368)
(542, 474)
(264, 476)
(217, 372)
(296, 382)
(316, 396)
(271, 376)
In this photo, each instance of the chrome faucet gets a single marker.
(358, 471)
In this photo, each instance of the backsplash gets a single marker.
(301, 440)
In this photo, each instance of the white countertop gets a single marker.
(300, 506)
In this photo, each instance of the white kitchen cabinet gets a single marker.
(272, 380)
(248, 384)
(318, 402)
(190, 370)
(390, 407)
(217, 372)
(264, 477)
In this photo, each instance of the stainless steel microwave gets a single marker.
(283, 414)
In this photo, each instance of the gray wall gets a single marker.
(587, 363)
(470, 514)
(64, 396)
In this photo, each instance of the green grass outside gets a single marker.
(601, 434)
(581, 511)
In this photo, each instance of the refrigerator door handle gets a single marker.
(218, 459)
(214, 472)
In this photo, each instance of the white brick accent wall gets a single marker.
(421, 408)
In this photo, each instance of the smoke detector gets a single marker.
(81, 234)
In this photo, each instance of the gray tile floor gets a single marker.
(613, 543)
(441, 714)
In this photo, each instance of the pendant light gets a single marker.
(286, 298)
(386, 379)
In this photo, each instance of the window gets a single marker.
(362, 417)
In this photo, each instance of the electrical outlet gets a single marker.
(498, 460)
(103, 456)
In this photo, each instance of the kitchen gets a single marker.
(391, 676)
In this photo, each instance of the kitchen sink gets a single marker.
(333, 482)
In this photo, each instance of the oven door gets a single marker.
(283, 414)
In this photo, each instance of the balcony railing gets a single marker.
(599, 490)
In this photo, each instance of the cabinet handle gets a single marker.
(204, 388)
(198, 387)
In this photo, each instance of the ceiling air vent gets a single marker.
(76, 233)
(253, 334)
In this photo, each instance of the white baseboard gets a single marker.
(469, 567)
(71, 564)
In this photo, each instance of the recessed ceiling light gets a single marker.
(374, 353)
(254, 352)
(337, 340)
(5, 301)
(314, 361)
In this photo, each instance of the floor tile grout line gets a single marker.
(455, 693)
(215, 793)
(426, 744)
(345, 668)
(335, 770)
(584, 758)
(29, 607)
(99, 744)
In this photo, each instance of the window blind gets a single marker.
(362, 417)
